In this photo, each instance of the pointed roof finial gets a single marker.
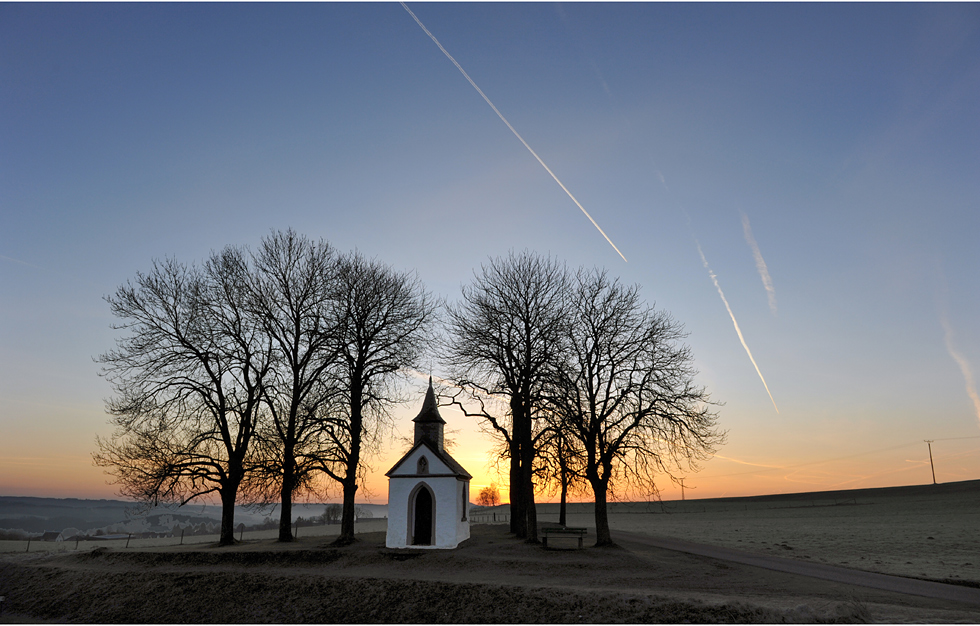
(430, 409)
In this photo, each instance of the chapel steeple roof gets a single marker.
(430, 409)
(429, 425)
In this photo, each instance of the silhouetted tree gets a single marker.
(489, 496)
(332, 513)
(188, 378)
(626, 392)
(292, 288)
(384, 320)
(506, 336)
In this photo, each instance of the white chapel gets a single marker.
(428, 491)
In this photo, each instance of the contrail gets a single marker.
(714, 279)
(7, 258)
(971, 387)
(760, 263)
(728, 458)
(516, 134)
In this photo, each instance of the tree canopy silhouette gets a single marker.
(256, 373)
(625, 392)
(291, 290)
(189, 378)
(506, 336)
(384, 320)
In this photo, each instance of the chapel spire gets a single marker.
(429, 425)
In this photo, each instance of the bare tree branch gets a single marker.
(188, 378)
(626, 394)
(505, 336)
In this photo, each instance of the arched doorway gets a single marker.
(422, 509)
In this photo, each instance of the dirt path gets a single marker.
(898, 584)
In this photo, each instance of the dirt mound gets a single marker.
(229, 597)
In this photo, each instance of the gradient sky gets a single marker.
(846, 136)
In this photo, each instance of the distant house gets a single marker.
(52, 535)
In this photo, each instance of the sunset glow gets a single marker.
(826, 151)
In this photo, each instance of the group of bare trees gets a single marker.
(583, 382)
(255, 374)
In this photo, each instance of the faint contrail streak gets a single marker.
(971, 387)
(7, 258)
(714, 279)
(516, 134)
(760, 263)
(728, 458)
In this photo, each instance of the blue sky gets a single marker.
(847, 136)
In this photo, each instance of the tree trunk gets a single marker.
(229, 493)
(286, 515)
(347, 517)
(518, 523)
(286, 495)
(350, 479)
(532, 511)
(563, 507)
(602, 536)
(527, 470)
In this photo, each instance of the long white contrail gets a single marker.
(760, 263)
(971, 386)
(714, 279)
(516, 134)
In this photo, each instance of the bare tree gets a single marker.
(291, 291)
(331, 515)
(489, 496)
(188, 378)
(384, 320)
(506, 335)
(627, 392)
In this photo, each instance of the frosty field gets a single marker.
(925, 532)
(928, 531)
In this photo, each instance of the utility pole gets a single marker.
(929, 443)
(682, 488)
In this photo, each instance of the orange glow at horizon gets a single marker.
(737, 470)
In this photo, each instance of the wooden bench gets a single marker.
(562, 532)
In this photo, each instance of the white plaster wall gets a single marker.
(448, 492)
(462, 505)
(445, 491)
(398, 490)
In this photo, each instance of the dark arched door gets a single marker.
(423, 518)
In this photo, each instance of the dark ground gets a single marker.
(492, 578)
